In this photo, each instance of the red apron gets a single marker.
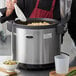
(40, 13)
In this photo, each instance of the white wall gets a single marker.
(2, 5)
(3, 26)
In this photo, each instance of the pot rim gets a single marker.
(29, 20)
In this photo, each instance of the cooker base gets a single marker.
(36, 67)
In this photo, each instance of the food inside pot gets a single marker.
(38, 24)
(10, 62)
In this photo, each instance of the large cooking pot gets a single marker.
(36, 46)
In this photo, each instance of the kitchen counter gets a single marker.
(27, 72)
(33, 73)
(41, 73)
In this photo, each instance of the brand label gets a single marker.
(47, 36)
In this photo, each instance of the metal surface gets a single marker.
(12, 42)
(33, 73)
(40, 48)
(36, 46)
(20, 24)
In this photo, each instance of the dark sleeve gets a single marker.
(3, 10)
(72, 22)
(13, 15)
(4, 18)
(57, 10)
(73, 12)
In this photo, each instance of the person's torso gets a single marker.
(28, 6)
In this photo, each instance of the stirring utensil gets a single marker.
(19, 13)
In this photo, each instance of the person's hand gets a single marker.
(10, 6)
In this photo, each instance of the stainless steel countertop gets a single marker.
(33, 73)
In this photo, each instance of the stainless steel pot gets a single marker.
(37, 45)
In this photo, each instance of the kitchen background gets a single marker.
(5, 47)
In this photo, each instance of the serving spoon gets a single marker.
(19, 13)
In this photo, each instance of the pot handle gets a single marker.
(61, 25)
(29, 37)
(64, 53)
